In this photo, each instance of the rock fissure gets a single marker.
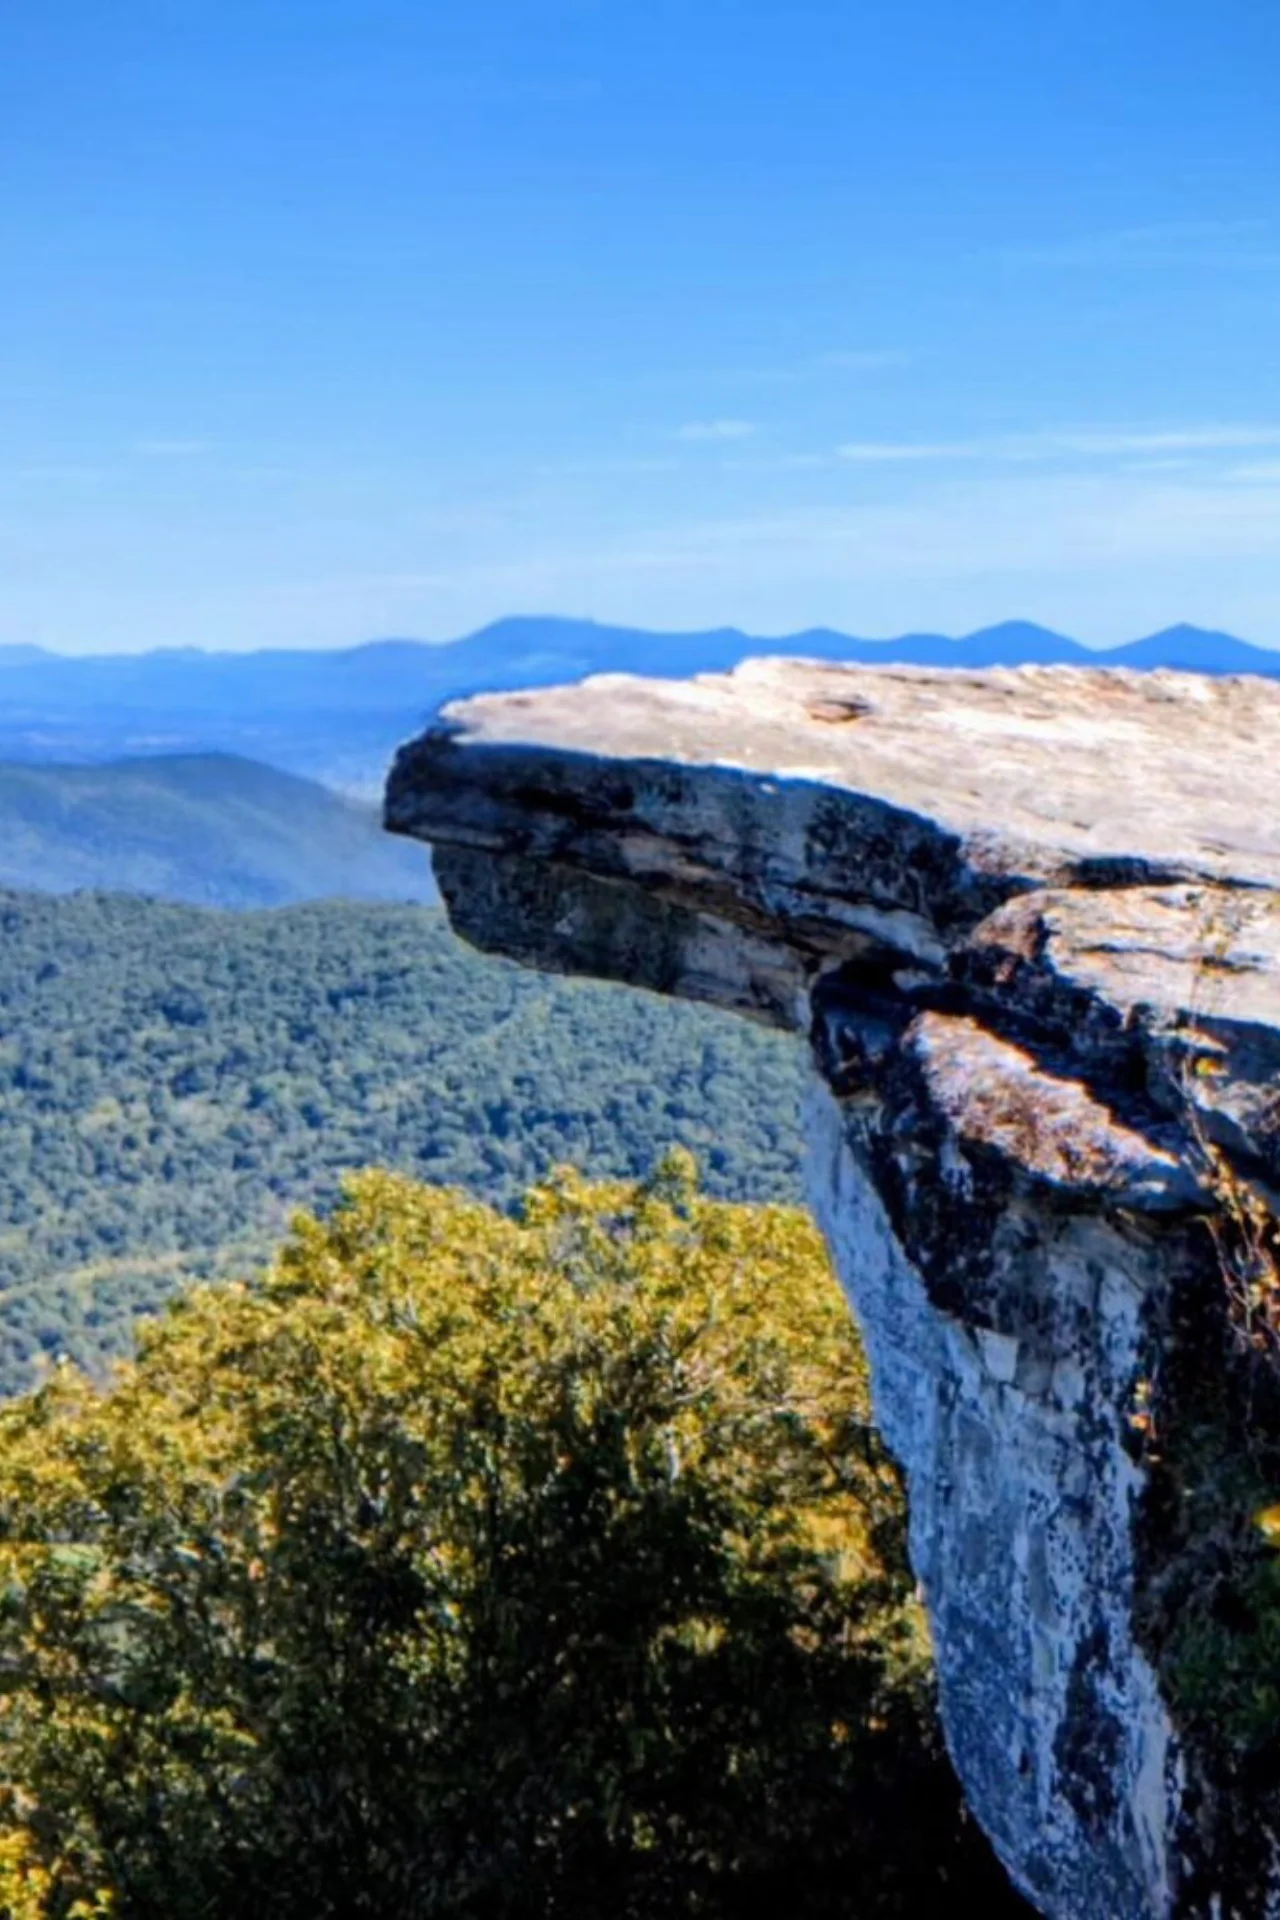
(1029, 924)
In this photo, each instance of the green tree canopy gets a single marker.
(173, 1082)
(481, 1567)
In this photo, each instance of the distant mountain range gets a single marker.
(338, 715)
(213, 829)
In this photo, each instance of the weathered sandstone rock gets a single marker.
(1030, 923)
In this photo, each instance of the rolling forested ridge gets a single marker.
(176, 1082)
(213, 829)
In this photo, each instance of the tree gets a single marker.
(475, 1567)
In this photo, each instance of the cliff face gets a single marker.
(1030, 923)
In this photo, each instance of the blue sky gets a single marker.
(329, 320)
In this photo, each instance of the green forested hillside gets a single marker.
(174, 1082)
(211, 828)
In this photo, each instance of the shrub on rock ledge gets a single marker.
(481, 1568)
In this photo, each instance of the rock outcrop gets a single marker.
(1030, 922)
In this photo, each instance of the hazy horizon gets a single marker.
(407, 639)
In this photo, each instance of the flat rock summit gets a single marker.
(1050, 765)
(1028, 921)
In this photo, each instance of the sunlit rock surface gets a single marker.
(1030, 923)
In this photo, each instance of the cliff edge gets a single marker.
(1029, 921)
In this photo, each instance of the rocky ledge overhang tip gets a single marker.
(1082, 866)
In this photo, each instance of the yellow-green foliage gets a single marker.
(477, 1567)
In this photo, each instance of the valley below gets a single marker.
(176, 1082)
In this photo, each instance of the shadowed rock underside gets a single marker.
(1029, 921)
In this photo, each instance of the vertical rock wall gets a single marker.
(1022, 1504)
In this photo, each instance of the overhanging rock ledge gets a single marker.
(1029, 921)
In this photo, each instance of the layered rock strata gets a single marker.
(1029, 921)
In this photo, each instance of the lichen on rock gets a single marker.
(1029, 921)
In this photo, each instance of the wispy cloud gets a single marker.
(464, 521)
(413, 580)
(1170, 463)
(170, 449)
(618, 466)
(779, 462)
(53, 473)
(1045, 523)
(716, 430)
(853, 361)
(890, 452)
(1227, 244)
(1065, 443)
